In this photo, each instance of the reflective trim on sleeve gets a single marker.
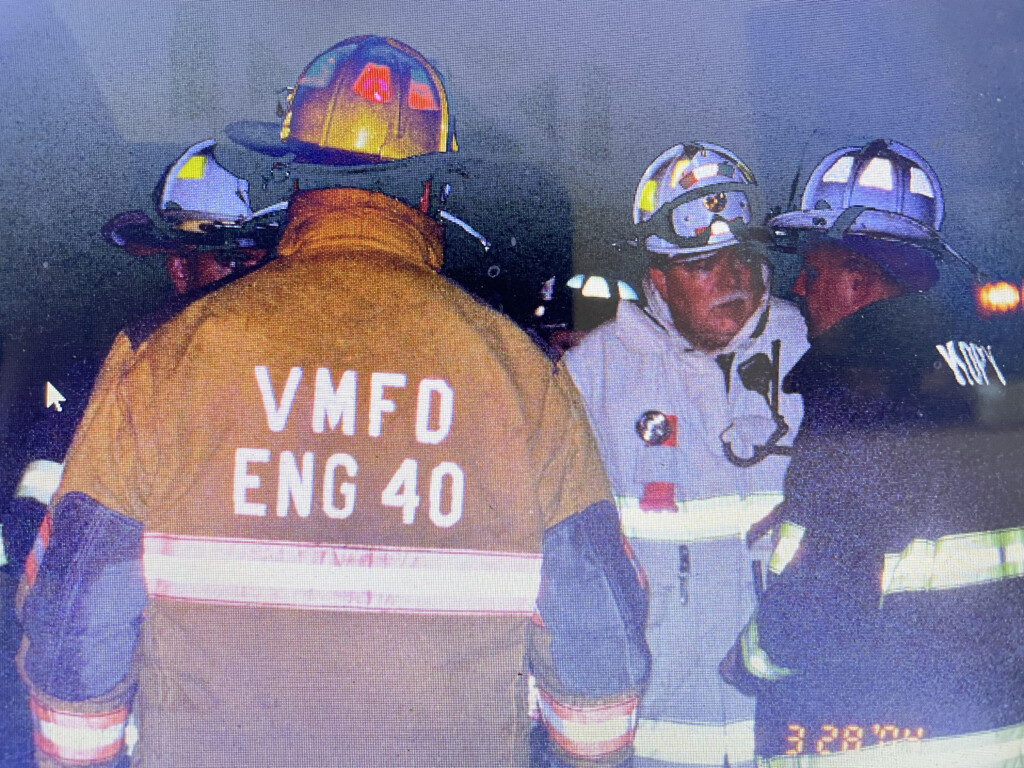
(999, 748)
(698, 520)
(756, 659)
(533, 697)
(40, 481)
(590, 733)
(340, 578)
(695, 743)
(75, 737)
(35, 555)
(955, 561)
(790, 536)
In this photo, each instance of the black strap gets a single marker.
(660, 223)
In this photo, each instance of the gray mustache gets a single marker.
(734, 296)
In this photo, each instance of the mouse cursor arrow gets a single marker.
(53, 397)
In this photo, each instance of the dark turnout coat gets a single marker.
(893, 622)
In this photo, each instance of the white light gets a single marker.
(576, 281)
(719, 227)
(919, 183)
(705, 171)
(839, 173)
(596, 287)
(626, 292)
(539, 311)
(877, 174)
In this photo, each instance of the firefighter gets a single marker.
(337, 512)
(682, 392)
(891, 632)
(196, 264)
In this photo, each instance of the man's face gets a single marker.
(826, 283)
(711, 299)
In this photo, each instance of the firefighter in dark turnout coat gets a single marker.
(891, 632)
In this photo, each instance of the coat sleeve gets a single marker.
(80, 603)
(587, 646)
(820, 609)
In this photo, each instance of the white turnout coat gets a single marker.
(698, 506)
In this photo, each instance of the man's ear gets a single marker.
(862, 287)
(178, 271)
(658, 278)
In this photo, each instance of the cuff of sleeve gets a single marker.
(590, 733)
(63, 735)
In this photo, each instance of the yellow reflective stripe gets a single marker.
(695, 743)
(699, 520)
(40, 480)
(648, 196)
(194, 168)
(955, 561)
(790, 536)
(999, 748)
(755, 659)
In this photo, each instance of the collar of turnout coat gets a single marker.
(324, 219)
(881, 366)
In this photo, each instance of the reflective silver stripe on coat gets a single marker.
(955, 561)
(40, 481)
(789, 537)
(289, 574)
(698, 520)
(695, 743)
(756, 659)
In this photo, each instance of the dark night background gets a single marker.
(99, 97)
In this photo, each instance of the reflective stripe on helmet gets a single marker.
(40, 480)
(697, 520)
(77, 737)
(790, 536)
(756, 659)
(998, 748)
(695, 743)
(343, 578)
(589, 732)
(955, 561)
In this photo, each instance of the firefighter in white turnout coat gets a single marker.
(683, 394)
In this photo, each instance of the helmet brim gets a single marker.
(260, 136)
(871, 222)
(911, 262)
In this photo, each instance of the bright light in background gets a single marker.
(998, 298)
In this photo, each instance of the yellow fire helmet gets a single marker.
(368, 99)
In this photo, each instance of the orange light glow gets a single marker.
(998, 298)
